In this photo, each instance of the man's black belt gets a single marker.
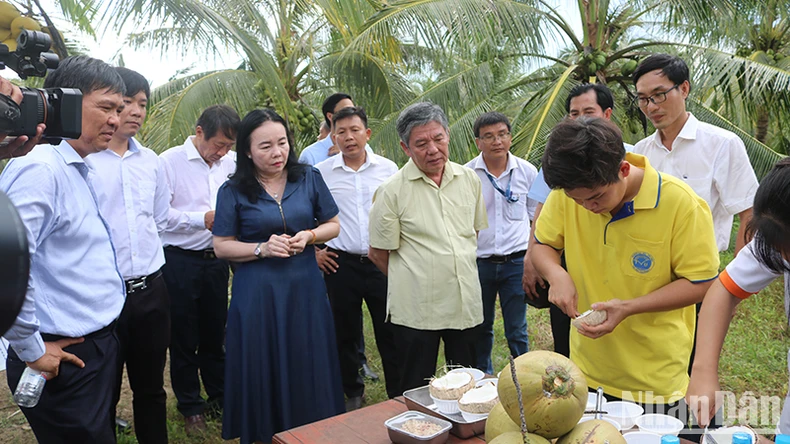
(100, 332)
(502, 259)
(203, 254)
(141, 283)
(361, 258)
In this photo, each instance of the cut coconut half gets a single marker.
(590, 317)
(452, 386)
(479, 400)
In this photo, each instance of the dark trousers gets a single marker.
(76, 405)
(357, 279)
(560, 330)
(144, 335)
(418, 350)
(198, 289)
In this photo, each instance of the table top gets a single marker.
(363, 426)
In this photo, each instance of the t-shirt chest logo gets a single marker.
(642, 262)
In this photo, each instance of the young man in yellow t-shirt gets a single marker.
(640, 246)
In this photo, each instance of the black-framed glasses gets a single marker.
(490, 138)
(655, 98)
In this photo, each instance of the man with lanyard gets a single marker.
(197, 281)
(134, 199)
(501, 247)
(353, 177)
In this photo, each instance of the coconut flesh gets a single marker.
(479, 400)
(452, 386)
(590, 317)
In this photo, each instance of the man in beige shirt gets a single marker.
(423, 235)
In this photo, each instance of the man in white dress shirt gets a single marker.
(75, 292)
(506, 180)
(352, 178)
(197, 281)
(134, 199)
(711, 160)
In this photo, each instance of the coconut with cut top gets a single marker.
(590, 318)
(480, 399)
(451, 386)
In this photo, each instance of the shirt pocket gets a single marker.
(516, 211)
(146, 190)
(644, 259)
(461, 218)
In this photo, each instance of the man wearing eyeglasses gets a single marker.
(501, 247)
(711, 160)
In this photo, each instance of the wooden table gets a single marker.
(363, 426)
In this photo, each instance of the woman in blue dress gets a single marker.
(281, 368)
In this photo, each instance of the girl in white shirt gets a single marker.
(763, 260)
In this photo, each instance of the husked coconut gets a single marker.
(451, 386)
(480, 399)
(590, 317)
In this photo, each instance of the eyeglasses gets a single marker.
(490, 138)
(655, 98)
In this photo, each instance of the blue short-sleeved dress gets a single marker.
(281, 365)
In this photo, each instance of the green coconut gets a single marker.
(499, 422)
(516, 438)
(553, 390)
(595, 431)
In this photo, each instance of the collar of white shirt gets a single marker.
(68, 153)
(688, 132)
(340, 162)
(480, 164)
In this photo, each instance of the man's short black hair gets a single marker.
(602, 93)
(85, 74)
(134, 81)
(351, 111)
(217, 118)
(770, 223)
(331, 102)
(490, 118)
(583, 153)
(672, 66)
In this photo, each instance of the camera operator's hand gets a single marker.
(23, 144)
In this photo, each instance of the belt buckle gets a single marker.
(362, 259)
(499, 260)
(209, 254)
(136, 284)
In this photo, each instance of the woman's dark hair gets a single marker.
(246, 176)
(770, 224)
(583, 153)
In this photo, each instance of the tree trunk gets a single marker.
(761, 132)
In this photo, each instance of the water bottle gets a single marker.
(30, 387)
(782, 439)
(741, 438)
(670, 439)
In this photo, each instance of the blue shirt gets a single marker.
(317, 152)
(75, 287)
(540, 190)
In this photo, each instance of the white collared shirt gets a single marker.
(134, 199)
(508, 223)
(193, 187)
(714, 163)
(353, 192)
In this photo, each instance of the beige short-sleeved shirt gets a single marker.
(430, 232)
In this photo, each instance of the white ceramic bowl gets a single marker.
(592, 398)
(724, 435)
(483, 382)
(614, 423)
(660, 424)
(625, 413)
(642, 438)
(478, 375)
(446, 407)
(472, 417)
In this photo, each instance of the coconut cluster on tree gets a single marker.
(12, 22)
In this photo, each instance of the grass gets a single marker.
(753, 362)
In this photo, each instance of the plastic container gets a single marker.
(477, 374)
(659, 424)
(642, 438)
(625, 413)
(28, 390)
(781, 439)
(741, 438)
(445, 406)
(724, 435)
(399, 436)
(670, 439)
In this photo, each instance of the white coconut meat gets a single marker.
(479, 400)
(451, 386)
(590, 317)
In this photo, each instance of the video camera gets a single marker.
(59, 108)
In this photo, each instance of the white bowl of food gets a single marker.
(448, 389)
(477, 403)
(624, 412)
(659, 424)
(642, 438)
(477, 374)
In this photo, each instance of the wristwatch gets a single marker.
(257, 251)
